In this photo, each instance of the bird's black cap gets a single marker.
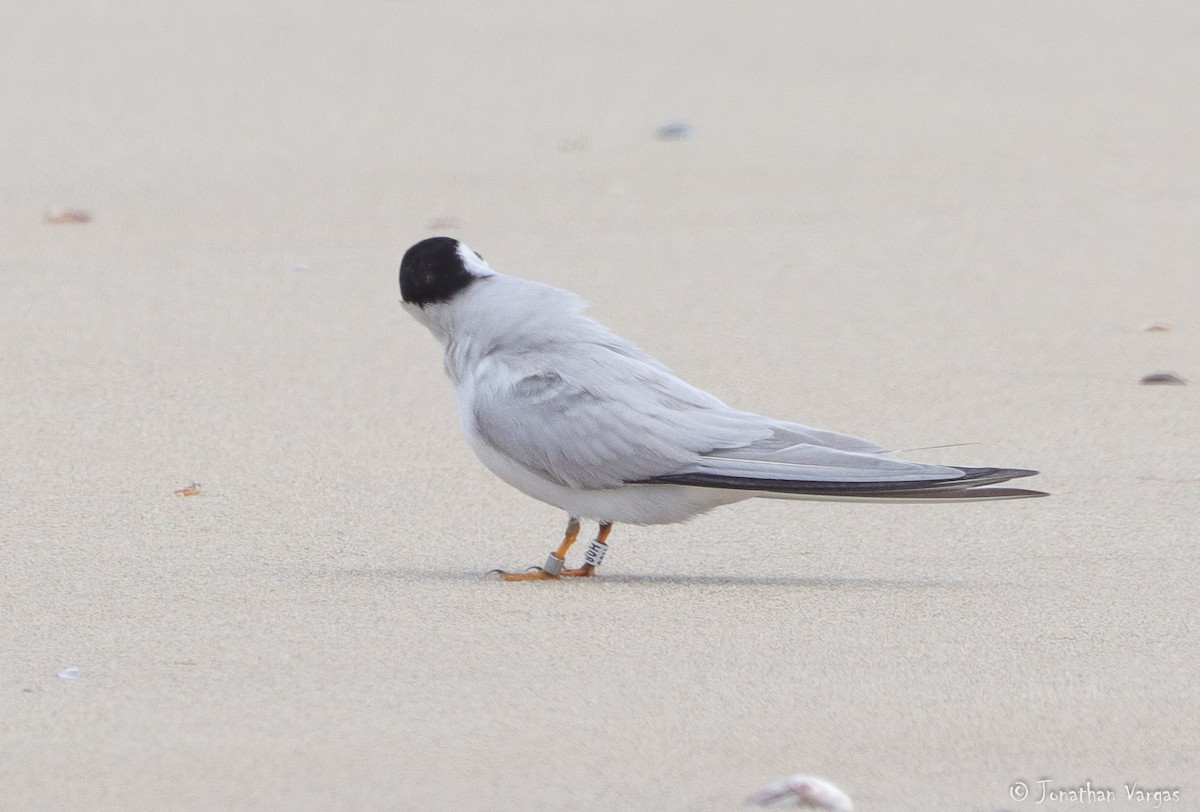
(432, 271)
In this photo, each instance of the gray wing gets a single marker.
(590, 417)
(600, 416)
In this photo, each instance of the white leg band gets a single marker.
(553, 565)
(595, 553)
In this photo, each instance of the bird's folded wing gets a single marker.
(640, 424)
(598, 417)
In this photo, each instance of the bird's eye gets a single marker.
(476, 253)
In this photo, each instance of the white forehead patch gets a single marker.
(473, 262)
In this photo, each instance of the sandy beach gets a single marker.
(922, 223)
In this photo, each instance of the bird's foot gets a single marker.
(553, 568)
(549, 572)
(533, 574)
(540, 574)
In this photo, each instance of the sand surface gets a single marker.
(923, 223)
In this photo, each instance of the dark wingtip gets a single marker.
(972, 481)
(1007, 473)
(967, 494)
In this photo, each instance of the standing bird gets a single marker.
(571, 414)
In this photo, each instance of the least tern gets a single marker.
(569, 413)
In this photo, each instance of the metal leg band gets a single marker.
(553, 565)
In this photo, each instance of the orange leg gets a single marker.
(554, 564)
(594, 555)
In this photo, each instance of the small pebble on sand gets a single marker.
(675, 131)
(62, 216)
(1162, 379)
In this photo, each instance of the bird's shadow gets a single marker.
(647, 580)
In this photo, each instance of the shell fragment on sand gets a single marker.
(804, 790)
